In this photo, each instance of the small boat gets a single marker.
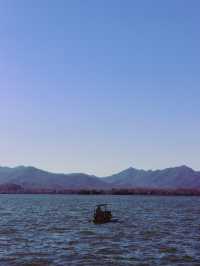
(102, 214)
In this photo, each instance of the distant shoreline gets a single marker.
(123, 191)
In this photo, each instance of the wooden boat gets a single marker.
(102, 214)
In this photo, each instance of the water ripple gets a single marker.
(39, 230)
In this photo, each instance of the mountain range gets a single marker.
(169, 178)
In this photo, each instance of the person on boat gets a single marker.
(99, 214)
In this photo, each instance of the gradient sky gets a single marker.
(99, 86)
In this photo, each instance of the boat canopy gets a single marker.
(102, 205)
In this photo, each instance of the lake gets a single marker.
(40, 230)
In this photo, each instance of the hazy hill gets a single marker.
(176, 177)
(33, 178)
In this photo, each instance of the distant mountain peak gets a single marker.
(186, 167)
(182, 168)
(129, 169)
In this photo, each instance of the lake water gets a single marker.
(40, 230)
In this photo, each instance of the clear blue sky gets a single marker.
(99, 86)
